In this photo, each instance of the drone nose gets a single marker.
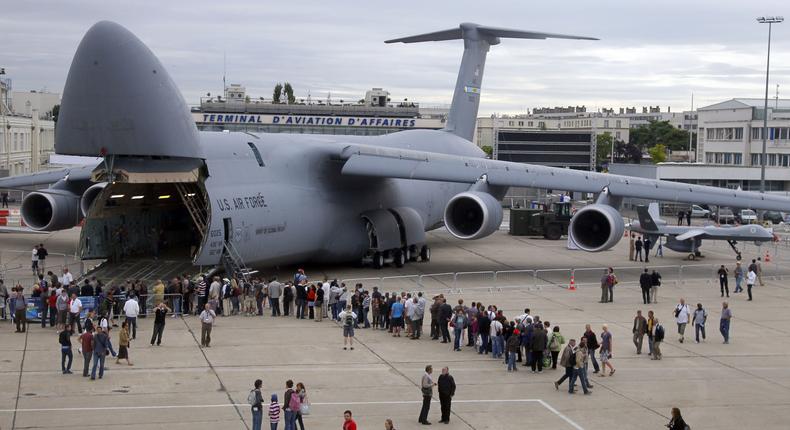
(120, 100)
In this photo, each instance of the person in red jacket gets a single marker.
(349, 423)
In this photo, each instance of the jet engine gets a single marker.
(472, 215)
(89, 196)
(51, 209)
(596, 227)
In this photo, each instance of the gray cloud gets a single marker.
(650, 52)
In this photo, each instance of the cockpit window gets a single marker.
(257, 154)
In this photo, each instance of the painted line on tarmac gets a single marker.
(229, 405)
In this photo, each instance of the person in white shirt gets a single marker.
(67, 278)
(131, 309)
(750, 279)
(682, 314)
(74, 313)
(325, 304)
(206, 324)
(347, 320)
(34, 260)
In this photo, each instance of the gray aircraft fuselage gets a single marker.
(303, 208)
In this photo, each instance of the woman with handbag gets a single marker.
(304, 404)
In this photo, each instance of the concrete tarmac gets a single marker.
(744, 384)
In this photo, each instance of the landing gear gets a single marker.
(425, 253)
(413, 255)
(378, 260)
(399, 258)
(734, 248)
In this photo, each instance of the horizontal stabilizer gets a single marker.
(491, 32)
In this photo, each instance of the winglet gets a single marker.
(477, 39)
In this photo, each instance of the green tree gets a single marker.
(603, 150)
(289, 93)
(658, 153)
(488, 150)
(659, 132)
(278, 92)
(55, 112)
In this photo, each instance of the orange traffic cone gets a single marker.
(572, 286)
(767, 257)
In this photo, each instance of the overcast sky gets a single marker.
(650, 52)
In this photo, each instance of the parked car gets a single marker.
(774, 216)
(725, 216)
(699, 212)
(747, 216)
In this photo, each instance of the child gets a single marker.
(274, 412)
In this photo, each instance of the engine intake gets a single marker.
(50, 210)
(596, 227)
(472, 215)
(89, 196)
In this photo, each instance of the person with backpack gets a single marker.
(458, 323)
(556, 340)
(658, 337)
(347, 318)
(290, 411)
(578, 369)
(255, 400)
(611, 281)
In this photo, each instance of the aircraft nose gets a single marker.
(119, 99)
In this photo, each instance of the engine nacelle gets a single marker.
(472, 215)
(596, 227)
(89, 196)
(50, 210)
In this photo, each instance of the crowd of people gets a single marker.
(524, 340)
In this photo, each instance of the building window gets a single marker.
(783, 133)
(756, 133)
(617, 134)
(529, 123)
(739, 133)
(738, 158)
(606, 123)
(618, 123)
(510, 123)
(521, 123)
(727, 158)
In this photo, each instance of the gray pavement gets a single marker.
(745, 384)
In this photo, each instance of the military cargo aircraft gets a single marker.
(268, 199)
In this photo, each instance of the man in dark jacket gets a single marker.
(592, 345)
(484, 328)
(645, 282)
(446, 388)
(445, 313)
(537, 344)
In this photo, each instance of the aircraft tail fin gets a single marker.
(477, 40)
(646, 217)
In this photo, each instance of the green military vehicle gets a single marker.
(549, 222)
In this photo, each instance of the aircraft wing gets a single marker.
(384, 162)
(81, 173)
(690, 234)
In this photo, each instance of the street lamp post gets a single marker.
(770, 20)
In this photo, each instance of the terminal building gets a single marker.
(729, 148)
(375, 114)
(27, 132)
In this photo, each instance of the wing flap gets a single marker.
(689, 235)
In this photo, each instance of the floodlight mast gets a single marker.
(770, 20)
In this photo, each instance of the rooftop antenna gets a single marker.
(224, 69)
(776, 106)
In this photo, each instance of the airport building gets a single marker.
(375, 114)
(27, 134)
(729, 148)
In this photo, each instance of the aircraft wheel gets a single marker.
(378, 260)
(425, 253)
(692, 257)
(413, 254)
(399, 258)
